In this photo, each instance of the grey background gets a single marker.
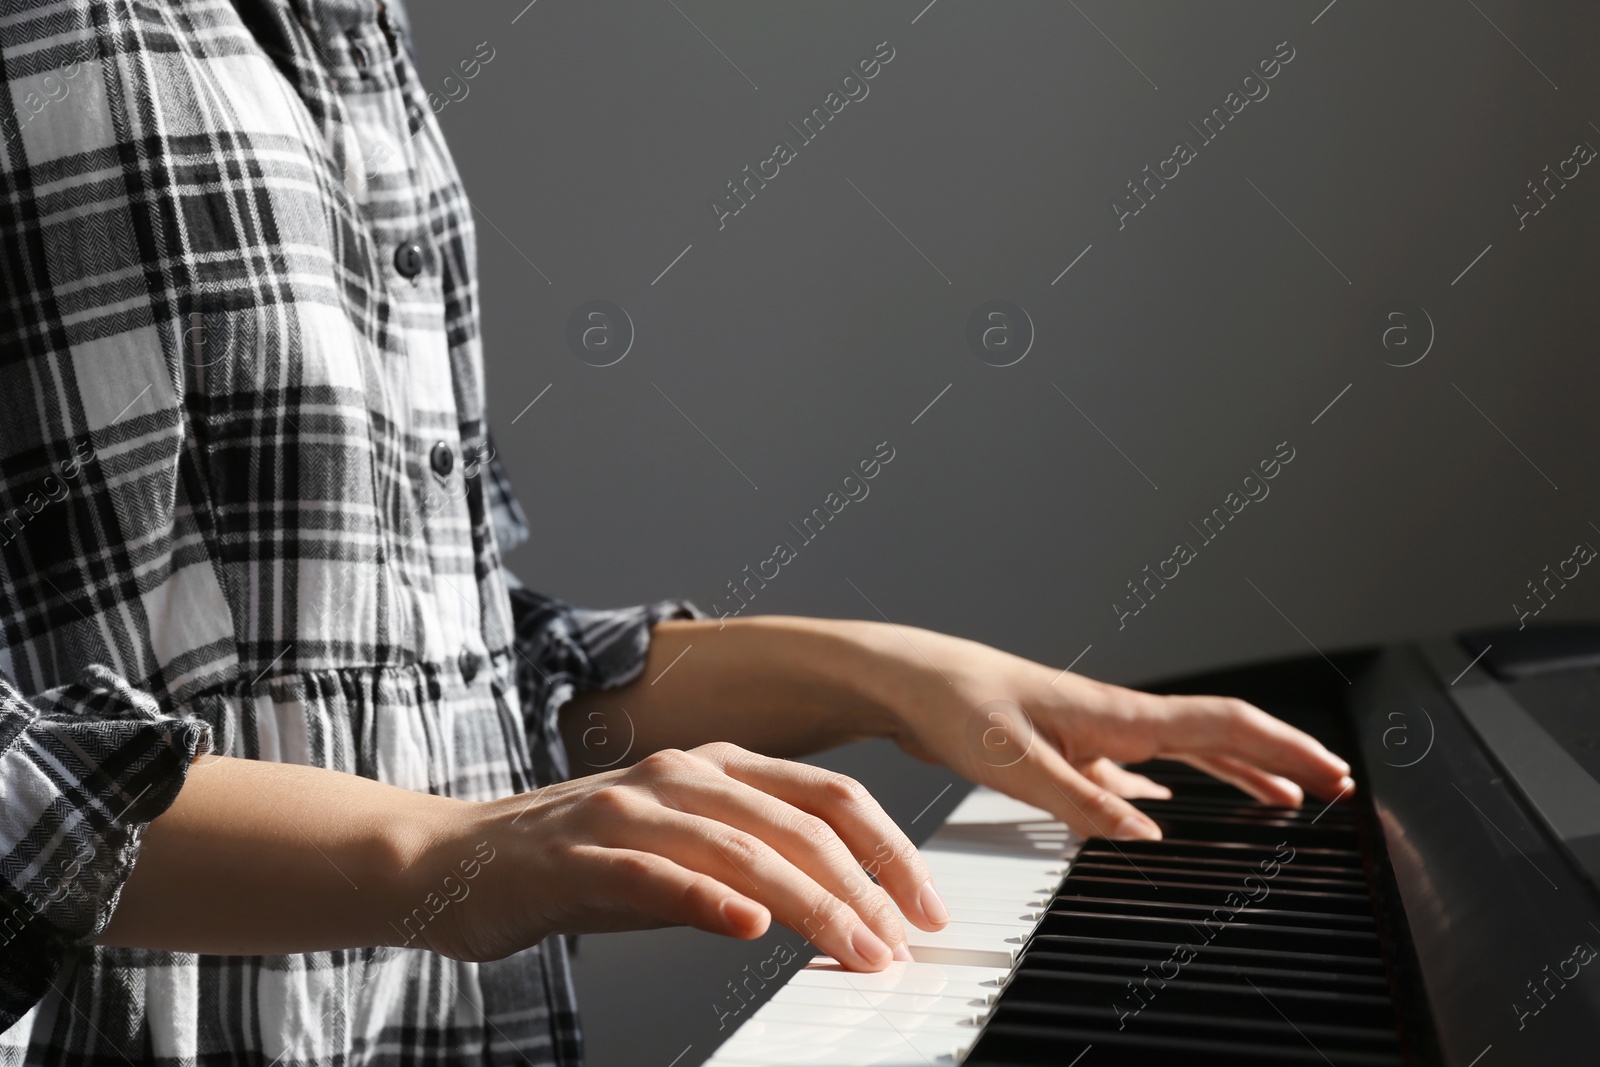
(1197, 338)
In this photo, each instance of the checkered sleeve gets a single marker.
(83, 769)
(90, 441)
(567, 650)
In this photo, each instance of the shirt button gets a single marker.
(443, 460)
(469, 662)
(408, 259)
(415, 118)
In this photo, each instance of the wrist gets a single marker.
(887, 674)
(848, 673)
(434, 847)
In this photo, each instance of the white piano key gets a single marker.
(959, 1000)
(832, 1056)
(996, 933)
(1016, 915)
(1036, 902)
(869, 1017)
(806, 1038)
(964, 951)
(947, 877)
(998, 868)
(973, 893)
(997, 863)
(1006, 838)
(847, 1058)
(1000, 887)
(971, 884)
(1001, 891)
(898, 977)
(955, 1007)
(988, 805)
(839, 1057)
(936, 853)
(953, 879)
(1021, 899)
(780, 1043)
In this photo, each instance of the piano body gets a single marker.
(1447, 914)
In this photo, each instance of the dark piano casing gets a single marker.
(1493, 903)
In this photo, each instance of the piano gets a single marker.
(1447, 913)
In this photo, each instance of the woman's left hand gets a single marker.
(1056, 739)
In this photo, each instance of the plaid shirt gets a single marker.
(248, 505)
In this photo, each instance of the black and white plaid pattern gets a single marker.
(248, 505)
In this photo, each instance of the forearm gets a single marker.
(261, 858)
(780, 685)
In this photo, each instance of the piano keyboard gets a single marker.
(1245, 936)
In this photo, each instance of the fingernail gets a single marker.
(1132, 826)
(1346, 784)
(868, 946)
(742, 914)
(932, 905)
(903, 954)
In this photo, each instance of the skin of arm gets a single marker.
(287, 859)
(697, 823)
(784, 686)
(789, 686)
(258, 857)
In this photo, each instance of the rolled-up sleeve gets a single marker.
(564, 650)
(83, 769)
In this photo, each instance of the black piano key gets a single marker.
(1261, 812)
(1197, 870)
(1132, 962)
(1352, 884)
(1155, 1026)
(1216, 842)
(1255, 831)
(1222, 997)
(1243, 935)
(1160, 887)
(1234, 855)
(1215, 911)
(1242, 959)
(1263, 1026)
(1014, 1045)
(1186, 781)
(1296, 975)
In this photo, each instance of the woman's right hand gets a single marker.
(717, 838)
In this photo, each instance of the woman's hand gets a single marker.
(787, 685)
(717, 838)
(1055, 739)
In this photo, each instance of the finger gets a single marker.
(1123, 782)
(658, 891)
(735, 857)
(1223, 726)
(860, 822)
(1046, 780)
(1267, 788)
(805, 840)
